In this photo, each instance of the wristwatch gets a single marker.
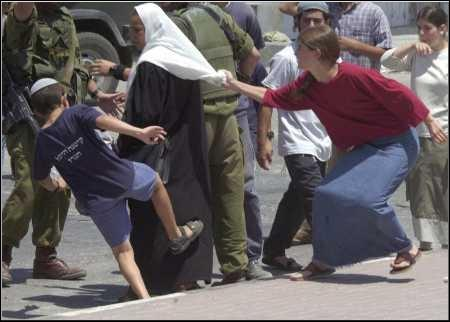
(94, 94)
(112, 70)
(270, 135)
(116, 71)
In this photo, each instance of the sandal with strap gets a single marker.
(289, 265)
(310, 272)
(179, 245)
(404, 258)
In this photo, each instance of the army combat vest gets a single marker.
(211, 41)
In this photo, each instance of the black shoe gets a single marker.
(179, 245)
(231, 278)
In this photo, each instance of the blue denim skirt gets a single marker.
(352, 220)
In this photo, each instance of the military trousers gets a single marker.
(226, 167)
(28, 200)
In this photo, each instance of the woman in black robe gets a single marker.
(158, 97)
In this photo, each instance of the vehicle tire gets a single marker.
(93, 46)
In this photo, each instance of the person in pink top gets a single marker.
(371, 117)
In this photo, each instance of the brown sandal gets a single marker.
(404, 257)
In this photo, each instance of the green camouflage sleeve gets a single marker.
(69, 57)
(18, 46)
(243, 42)
(184, 26)
(19, 34)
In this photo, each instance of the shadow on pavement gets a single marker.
(87, 296)
(22, 314)
(355, 279)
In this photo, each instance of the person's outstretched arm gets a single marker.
(254, 92)
(148, 135)
(103, 67)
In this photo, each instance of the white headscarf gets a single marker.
(167, 47)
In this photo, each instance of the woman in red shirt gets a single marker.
(372, 118)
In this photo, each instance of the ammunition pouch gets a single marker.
(78, 86)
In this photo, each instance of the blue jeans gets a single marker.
(251, 199)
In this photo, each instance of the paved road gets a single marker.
(82, 245)
(364, 291)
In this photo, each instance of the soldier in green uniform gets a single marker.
(41, 41)
(223, 43)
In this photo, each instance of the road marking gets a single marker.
(119, 305)
(384, 259)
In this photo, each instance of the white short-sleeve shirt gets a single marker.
(299, 132)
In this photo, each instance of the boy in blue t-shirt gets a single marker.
(100, 180)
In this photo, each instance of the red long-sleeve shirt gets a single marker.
(356, 106)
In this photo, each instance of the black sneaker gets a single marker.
(179, 245)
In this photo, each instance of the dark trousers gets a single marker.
(306, 173)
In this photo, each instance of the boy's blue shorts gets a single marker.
(115, 224)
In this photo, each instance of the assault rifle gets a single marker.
(15, 104)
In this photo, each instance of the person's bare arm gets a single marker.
(289, 8)
(359, 47)
(102, 67)
(437, 133)
(265, 149)
(254, 92)
(248, 64)
(150, 134)
(23, 10)
(51, 184)
(420, 48)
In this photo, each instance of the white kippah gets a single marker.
(42, 83)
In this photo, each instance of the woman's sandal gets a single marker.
(311, 271)
(289, 265)
(179, 245)
(404, 258)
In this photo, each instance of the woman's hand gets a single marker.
(151, 134)
(437, 133)
(422, 48)
(228, 84)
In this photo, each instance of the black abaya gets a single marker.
(157, 97)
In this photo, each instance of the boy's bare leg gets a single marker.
(125, 257)
(163, 207)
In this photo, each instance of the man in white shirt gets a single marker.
(303, 142)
